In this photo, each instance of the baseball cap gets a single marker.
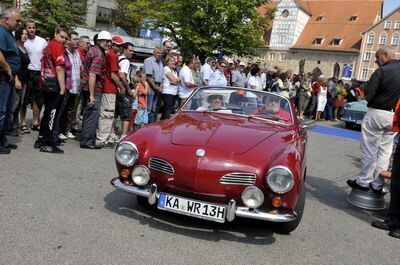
(242, 64)
(118, 40)
(104, 35)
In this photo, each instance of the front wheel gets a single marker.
(349, 125)
(286, 228)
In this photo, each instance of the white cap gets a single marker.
(104, 35)
(242, 64)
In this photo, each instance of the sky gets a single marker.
(389, 6)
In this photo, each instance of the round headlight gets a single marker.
(280, 179)
(140, 175)
(252, 197)
(126, 154)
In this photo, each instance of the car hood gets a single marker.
(216, 131)
(360, 105)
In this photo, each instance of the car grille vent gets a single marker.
(161, 166)
(238, 179)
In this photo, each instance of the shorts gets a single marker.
(33, 89)
(142, 116)
(123, 108)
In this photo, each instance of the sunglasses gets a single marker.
(223, 66)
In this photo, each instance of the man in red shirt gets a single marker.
(111, 87)
(84, 46)
(92, 85)
(53, 87)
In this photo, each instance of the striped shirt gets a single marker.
(73, 71)
(95, 62)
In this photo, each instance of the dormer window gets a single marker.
(336, 42)
(320, 18)
(285, 13)
(353, 18)
(318, 41)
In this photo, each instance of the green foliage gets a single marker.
(201, 27)
(49, 13)
(130, 15)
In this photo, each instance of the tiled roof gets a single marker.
(336, 24)
(303, 5)
(382, 20)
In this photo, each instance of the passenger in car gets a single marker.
(272, 105)
(215, 103)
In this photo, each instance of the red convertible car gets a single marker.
(227, 153)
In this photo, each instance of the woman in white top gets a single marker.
(253, 81)
(322, 99)
(170, 87)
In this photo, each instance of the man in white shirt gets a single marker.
(206, 71)
(154, 70)
(34, 47)
(218, 78)
(187, 84)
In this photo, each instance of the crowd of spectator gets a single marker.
(67, 79)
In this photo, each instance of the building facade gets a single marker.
(318, 36)
(386, 32)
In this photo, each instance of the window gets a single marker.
(371, 38)
(367, 56)
(283, 57)
(285, 13)
(353, 18)
(318, 41)
(320, 18)
(395, 39)
(364, 74)
(382, 39)
(397, 26)
(336, 42)
(388, 24)
(271, 56)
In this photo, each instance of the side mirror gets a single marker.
(307, 125)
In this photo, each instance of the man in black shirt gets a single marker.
(382, 93)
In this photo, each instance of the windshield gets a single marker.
(251, 103)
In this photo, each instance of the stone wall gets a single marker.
(313, 59)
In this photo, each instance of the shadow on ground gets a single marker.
(332, 195)
(241, 230)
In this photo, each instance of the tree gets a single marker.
(203, 27)
(49, 13)
(130, 15)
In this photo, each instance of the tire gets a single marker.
(349, 125)
(286, 228)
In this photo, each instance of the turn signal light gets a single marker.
(124, 173)
(276, 202)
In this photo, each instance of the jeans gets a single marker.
(90, 119)
(168, 102)
(152, 100)
(6, 106)
(328, 109)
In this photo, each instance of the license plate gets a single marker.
(191, 207)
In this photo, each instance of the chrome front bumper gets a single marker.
(232, 210)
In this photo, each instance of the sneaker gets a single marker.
(113, 138)
(354, 185)
(62, 137)
(4, 151)
(38, 143)
(70, 135)
(51, 149)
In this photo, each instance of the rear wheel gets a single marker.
(286, 228)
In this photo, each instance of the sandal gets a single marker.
(35, 127)
(24, 129)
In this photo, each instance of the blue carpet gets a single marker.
(337, 132)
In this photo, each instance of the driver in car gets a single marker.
(272, 106)
(215, 102)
